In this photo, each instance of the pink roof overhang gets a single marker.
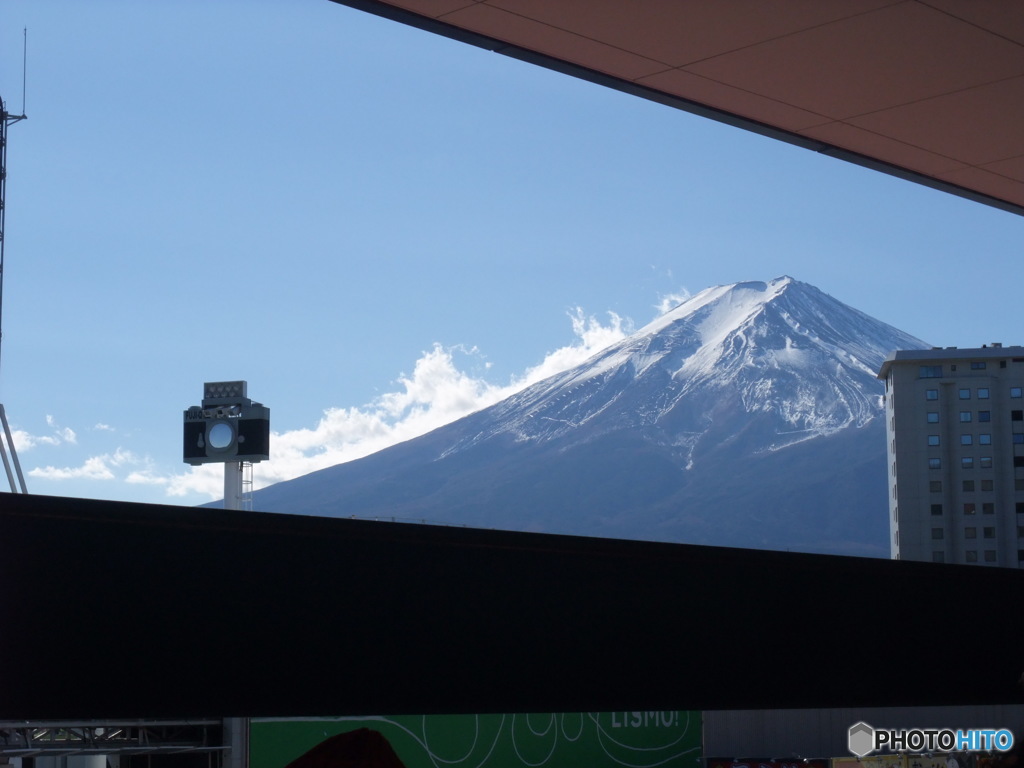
(927, 90)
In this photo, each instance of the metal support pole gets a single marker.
(232, 485)
(236, 737)
(7, 444)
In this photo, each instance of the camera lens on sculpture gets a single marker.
(220, 436)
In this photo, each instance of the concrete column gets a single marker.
(232, 485)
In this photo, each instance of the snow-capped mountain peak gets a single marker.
(780, 349)
(729, 306)
(748, 415)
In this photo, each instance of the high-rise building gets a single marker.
(955, 429)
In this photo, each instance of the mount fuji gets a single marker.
(748, 416)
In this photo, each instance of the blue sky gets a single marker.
(380, 229)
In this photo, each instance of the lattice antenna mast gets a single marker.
(6, 439)
(6, 119)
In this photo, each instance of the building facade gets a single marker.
(955, 435)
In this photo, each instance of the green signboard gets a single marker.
(568, 740)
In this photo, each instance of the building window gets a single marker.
(967, 462)
(938, 557)
(984, 439)
(965, 416)
(984, 415)
(933, 439)
(931, 372)
(971, 556)
(1015, 391)
(983, 393)
(986, 485)
(966, 440)
(965, 394)
(970, 533)
(1018, 438)
(970, 508)
(988, 532)
(933, 417)
(1016, 415)
(988, 508)
(934, 464)
(977, 366)
(936, 509)
(933, 394)
(968, 485)
(937, 533)
(935, 486)
(1018, 461)
(985, 462)
(1020, 531)
(990, 555)
(1020, 507)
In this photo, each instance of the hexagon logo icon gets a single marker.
(861, 739)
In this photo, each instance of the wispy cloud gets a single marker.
(64, 434)
(25, 441)
(672, 300)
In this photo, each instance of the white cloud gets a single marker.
(23, 441)
(145, 477)
(62, 434)
(436, 393)
(672, 300)
(206, 479)
(94, 468)
(592, 336)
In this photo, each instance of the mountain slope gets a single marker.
(749, 415)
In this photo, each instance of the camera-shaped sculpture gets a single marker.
(228, 426)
